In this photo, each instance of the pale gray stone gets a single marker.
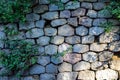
(82, 31)
(44, 40)
(67, 76)
(88, 39)
(64, 1)
(73, 21)
(40, 8)
(85, 21)
(97, 65)
(2, 35)
(47, 77)
(104, 14)
(41, 50)
(3, 78)
(50, 31)
(32, 17)
(40, 23)
(27, 78)
(65, 14)
(1, 44)
(114, 46)
(99, 22)
(53, 7)
(98, 47)
(79, 48)
(37, 69)
(43, 60)
(92, 13)
(96, 31)
(58, 22)
(57, 40)
(79, 12)
(65, 67)
(86, 5)
(98, 5)
(26, 25)
(107, 74)
(51, 68)
(51, 49)
(88, 0)
(56, 60)
(108, 37)
(34, 33)
(81, 66)
(65, 30)
(50, 15)
(43, 1)
(72, 5)
(90, 56)
(115, 64)
(105, 55)
(73, 40)
(86, 75)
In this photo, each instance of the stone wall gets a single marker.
(79, 26)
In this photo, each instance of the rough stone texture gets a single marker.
(27, 25)
(114, 21)
(81, 66)
(32, 17)
(65, 30)
(2, 35)
(88, 39)
(98, 22)
(34, 33)
(64, 1)
(115, 64)
(79, 12)
(53, 7)
(82, 31)
(58, 22)
(37, 69)
(73, 40)
(57, 60)
(41, 50)
(92, 13)
(73, 21)
(50, 15)
(72, 58)
(105, 56)
(43, 60)
(50, 31)
(86, 5)
(40, 23)
(57, 40)
(67, 76)
(65, 14)
(51, 49)
(108, 37)
(88, 0)
(40, 8)
(51, 68)
(90, 56)
(96, 31)
(43, 1)
(47, 77)
(97, 65)
(98, 5)
(3, 78)
(85, 21)
(79, 48)
(65, 67)
(104, 14)
(86, 75)
(72, 5)
(107, 74)
(43, 40)
(114, 46)
(98, 47)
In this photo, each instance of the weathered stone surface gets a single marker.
(40, 8)
(50, 15)
(34, 33)
(86, 75)
(96, 31)
(65, 14)
(73, 40)
(51, 49)
(98, 5)
(27, 78)
(2, 35)
(64, 1)
(65, 67)
(73, 21)
(86, 5)
(85, 21)
(27, 25)
(79, 12)
(92, 13)
(88, 39)
(82, 31)
(115, 64)
(58, 22)
(98, 47)
(40, 23)
(57, 60)
(3, 78)
(81, 66)
(114, 46)
(79, 48)
(88, 0)
(72, 5)
(1, 44)
(47, 77)
(43, 1)
(37, 69)
(98, 22)
(108, 37)
(50, 31)
(67, 76)
(107, 74)
(51, 68)
(13, 78)
(105, 56)
(57, 40)
(43, 60)
(41, 50)
(97, 65)
(103, 0)
(90, 56)
(32, 17)
(104, 14)
(53, 7)
(65, 30)
(72, 58)
(44, 40)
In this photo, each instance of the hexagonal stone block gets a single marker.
(40, 8)
(88, 39)
(73, 40)
(81, 30)
(51, 49)
(58, 22)
(47, 77)
(50, 31)
(115, 64)
(57, 40)
(44, 40)
(50, 15)
(72, 5)
(79, 12)
(86, 5)
(32, 17)
(65, 14)
(114, 46)
(51, 68)
(85, 21)
(43, 60)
